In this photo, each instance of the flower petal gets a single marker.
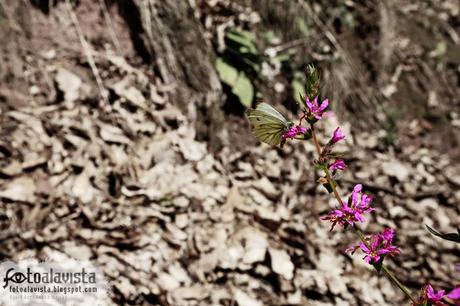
(324, 105)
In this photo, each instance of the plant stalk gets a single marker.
(333, 185)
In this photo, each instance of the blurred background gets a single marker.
(123, 141)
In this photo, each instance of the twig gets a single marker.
(110, 25)
(88, 52)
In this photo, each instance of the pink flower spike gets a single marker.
(378, 245)
(432, 295)
(315, 109)
(351, 212)
(355, 193)
(428, 296)
(339, 164)
(387, 234)
(337, 135)
(294, 131)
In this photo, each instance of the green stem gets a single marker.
(395, 281)
(385, 270)
(326, 171)
(333, 185)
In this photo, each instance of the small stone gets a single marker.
(69, 83)
(243, 299)
(396, 169)
(21, 189)
(11, 169)
(181, 220)
(281, 263)
(429, 203)
(255, 247)
(453, 175)
(267, 188)
(34, 90)
(167, 282)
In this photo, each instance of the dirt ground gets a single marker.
(96, 163)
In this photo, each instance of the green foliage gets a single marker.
(303, 27)
(298, 87)
(393, 115)
(237, 80)
(440, 50)
(306, 85)
(228, 74)
(270, 37)
(284, 56)
(240, 63)
(243, 89)
(312, 82)
(244, 39)
(439, 53)
(346, 17)
(241, 50)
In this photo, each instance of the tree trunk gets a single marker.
(14, 34)
(160, 29)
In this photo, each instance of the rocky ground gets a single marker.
(113, 173)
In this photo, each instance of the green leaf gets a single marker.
(319, 166)
(299, 91)
(455, 237)
(303, 27)
(312, 82)
(227, 73)
(270, 36)
(244, 90)
(441, 48)
(245, 39)
(284, 57)
(336, 154)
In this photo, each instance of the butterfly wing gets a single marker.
(266, 108)
(268, 124)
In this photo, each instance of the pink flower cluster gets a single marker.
(337, 135)
(316, 110)
(339, 164)
(429, 296)
(377, 245)
(294, 131)
(351, 212)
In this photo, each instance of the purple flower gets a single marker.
(315, 109)
(294, 131)
(429, 295)
(351, 212)
(339, 164)
(387, 234)
(432, 295)
(378, 245)
(337, 135)
(454, 294)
